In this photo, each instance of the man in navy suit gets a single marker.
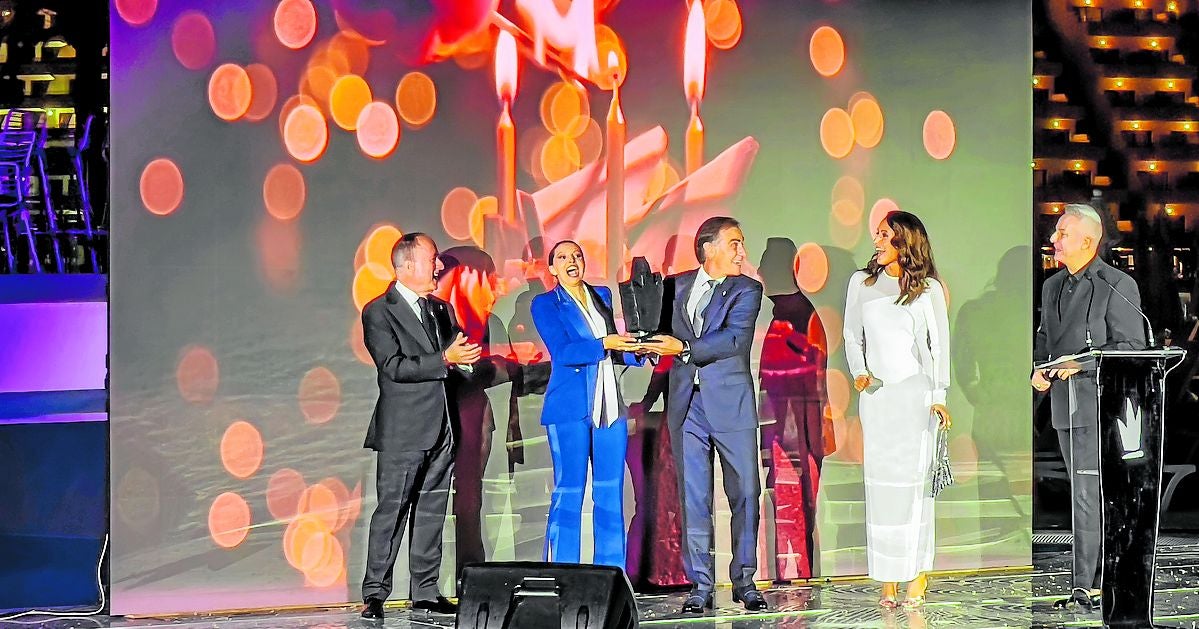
(711, 405)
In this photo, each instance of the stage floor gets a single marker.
(1017, 598)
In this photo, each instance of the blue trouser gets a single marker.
(572, 445)
(694, 444)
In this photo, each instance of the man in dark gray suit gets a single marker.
(1081, 309)
(418, 350)
(711, 405)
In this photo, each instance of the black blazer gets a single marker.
(1114, 324)
(416, 393)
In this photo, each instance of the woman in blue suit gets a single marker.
(583, 413)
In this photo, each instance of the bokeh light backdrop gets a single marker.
(268, 153)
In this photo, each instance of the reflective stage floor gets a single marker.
(1017, 598)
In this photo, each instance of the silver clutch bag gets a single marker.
(940, 475)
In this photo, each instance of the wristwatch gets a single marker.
(685, 355)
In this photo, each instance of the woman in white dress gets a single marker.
(897, 345)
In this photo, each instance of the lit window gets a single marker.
(1152, 166)
(1136, 125)
(1153, 43)
(1077, 165)
(1119, 82)
(1187, 126)
(1169, 210)
(1102, 41)
(1170, 85)
(1057, 124)
(1139, 4)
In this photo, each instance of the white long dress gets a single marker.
(906, 349)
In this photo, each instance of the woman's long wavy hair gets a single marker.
(915, 256)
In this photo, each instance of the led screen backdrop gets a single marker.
(266, 155)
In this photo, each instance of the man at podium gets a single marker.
(1089, 306)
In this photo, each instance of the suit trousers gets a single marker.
(1080, 451)
(695, 444)
(413, 488)
(572, 446)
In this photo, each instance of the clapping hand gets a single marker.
(462, 351)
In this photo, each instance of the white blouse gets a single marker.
(893, 342)
(606, 408)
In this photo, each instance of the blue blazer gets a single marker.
(720, 354)
(575, 353)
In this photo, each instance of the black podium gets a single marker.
(1131, 389)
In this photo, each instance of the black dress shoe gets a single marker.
(697, 602)
(751, 598)
(439, 606)
(373, 610)
(1084, 598)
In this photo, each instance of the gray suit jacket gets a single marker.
(1114, 324)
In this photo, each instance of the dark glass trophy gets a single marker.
(641, 301)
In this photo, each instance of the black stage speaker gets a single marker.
(536, 595)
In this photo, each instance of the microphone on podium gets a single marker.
(1102, 273)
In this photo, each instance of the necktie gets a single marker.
(428, 320)
(697, 320)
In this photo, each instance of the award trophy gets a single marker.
(641, 301)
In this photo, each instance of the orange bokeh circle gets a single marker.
(940, 136)
(416, 99)
(560, 157)
(723, 21)
(241, 449)
(295, 23)
(878, 212)
(305, 134)
(455, 212)
(229, 520)
(264, 92)
(320, 395)
(811, 267)
(229, 92)
(827, 51)
(377, 130)
(485, 206)
(836, 133)
(320, 502)
(197, 374)
(370, 281)
(161, 186)
(349, 95)
(379, 243)
(136, 12)
(283, 493)
(867, 117)
(284, 192)
(192, 40)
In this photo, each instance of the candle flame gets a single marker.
(505, 66)
(695, 52)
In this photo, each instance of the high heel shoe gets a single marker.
(890, 598)
(914, 602)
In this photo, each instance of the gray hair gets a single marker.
(402, 251)
(1089, 217)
